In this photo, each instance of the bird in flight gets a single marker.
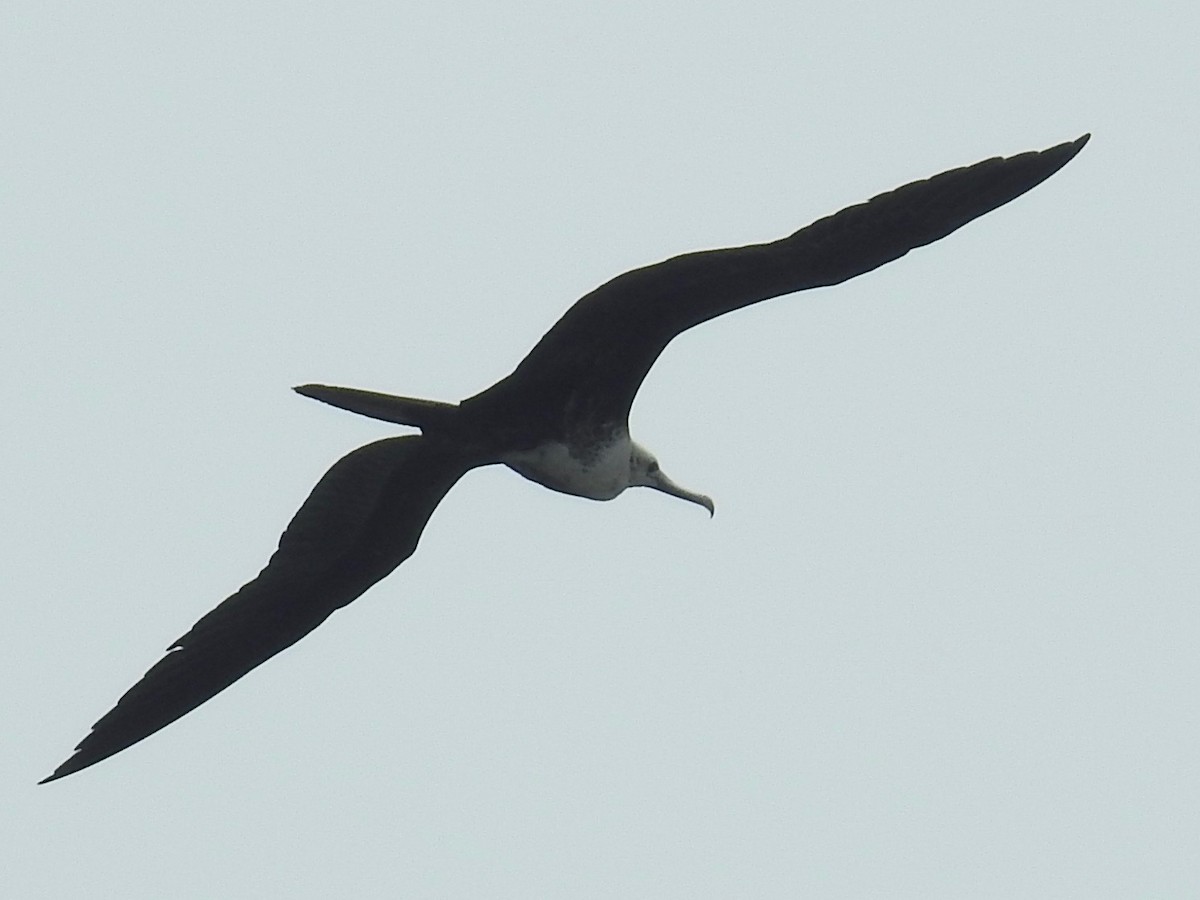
(560, 419)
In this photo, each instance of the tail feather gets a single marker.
(423, 414)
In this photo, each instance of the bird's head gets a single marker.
(644, 471)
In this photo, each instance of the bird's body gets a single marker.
(599, 471)
(560, 419)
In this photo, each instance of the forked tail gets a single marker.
(423, 414)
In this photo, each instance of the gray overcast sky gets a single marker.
(940, 638)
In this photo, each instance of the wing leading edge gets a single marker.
(362, 520)
(606, 343)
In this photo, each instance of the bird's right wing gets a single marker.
(604, 345)
(362, 520)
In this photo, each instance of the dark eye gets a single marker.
(653, 467)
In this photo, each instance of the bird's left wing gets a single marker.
(362, 520)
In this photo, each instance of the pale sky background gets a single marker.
(941, 638)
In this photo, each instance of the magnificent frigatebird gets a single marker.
(560, 419)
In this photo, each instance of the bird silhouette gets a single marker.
(560, 419)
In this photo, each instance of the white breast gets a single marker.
(600, 473)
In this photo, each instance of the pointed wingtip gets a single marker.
(62, 771)
(81, 759)
(1070, 149)
(1061, 154)
(87, 755)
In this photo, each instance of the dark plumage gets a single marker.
(561, 419)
